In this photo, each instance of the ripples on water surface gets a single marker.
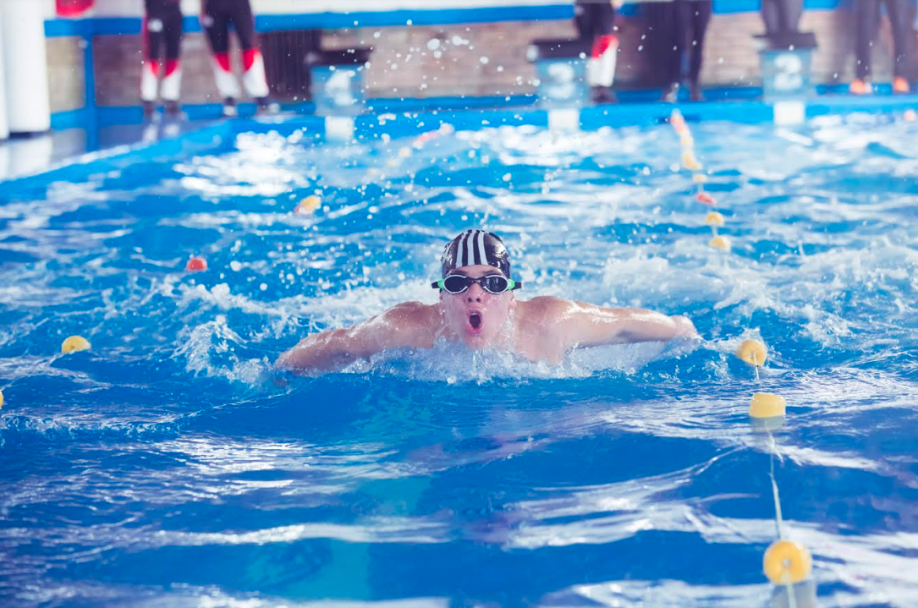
(170, 466)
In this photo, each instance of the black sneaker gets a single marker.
(603, 95)
(229, 108)
(149, 109)
(671, 94)
(266, 106)
(173, 109)
(695, 93)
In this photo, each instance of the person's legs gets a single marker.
(603, 18)
(701, 16)
(172, 79)
(152, 35)
(866, 13)
(240, 13)
(253, 77)
(598, 19)
(657, 40)
(900, 19)
(679, 19)
(781, 15)
(583, 21)
(215, 22)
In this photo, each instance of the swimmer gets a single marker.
(478, 307)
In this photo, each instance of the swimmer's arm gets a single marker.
(581, 324)
(335, 349)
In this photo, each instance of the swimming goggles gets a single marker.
(492, 283)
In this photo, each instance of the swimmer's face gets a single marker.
(477, 316)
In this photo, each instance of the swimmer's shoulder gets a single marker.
(413, 311)
(416, 323)
(540, 335)
(553, 317)
(544, 309)
(538, 319)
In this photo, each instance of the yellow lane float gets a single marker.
(767, 405)
(752, 352)
(308, 205)
(690, 162)
(714, 219)
(787, 562)
(75, 344)
(720, 242)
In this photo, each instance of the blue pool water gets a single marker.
(171, 466)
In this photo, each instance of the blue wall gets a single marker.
(103, 26)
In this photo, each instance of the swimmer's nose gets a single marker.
(474, 293)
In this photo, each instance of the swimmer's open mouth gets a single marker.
(475, 321)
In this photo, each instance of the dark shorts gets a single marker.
(162, 29)
(594, 19)
(217, 17)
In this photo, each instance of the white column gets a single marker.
(22, 35)
(4, 125)
(30, 155)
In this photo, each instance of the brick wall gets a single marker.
(118, 62)
(475, 59)
(66, 78)
(490, 58)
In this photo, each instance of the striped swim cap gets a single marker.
(474, 247)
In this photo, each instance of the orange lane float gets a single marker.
(196, 265)
(308, 205)
(423, 138)
(705, 198)
(678, 123)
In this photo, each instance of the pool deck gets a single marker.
(80, 144)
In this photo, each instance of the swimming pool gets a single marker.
(170, 465)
